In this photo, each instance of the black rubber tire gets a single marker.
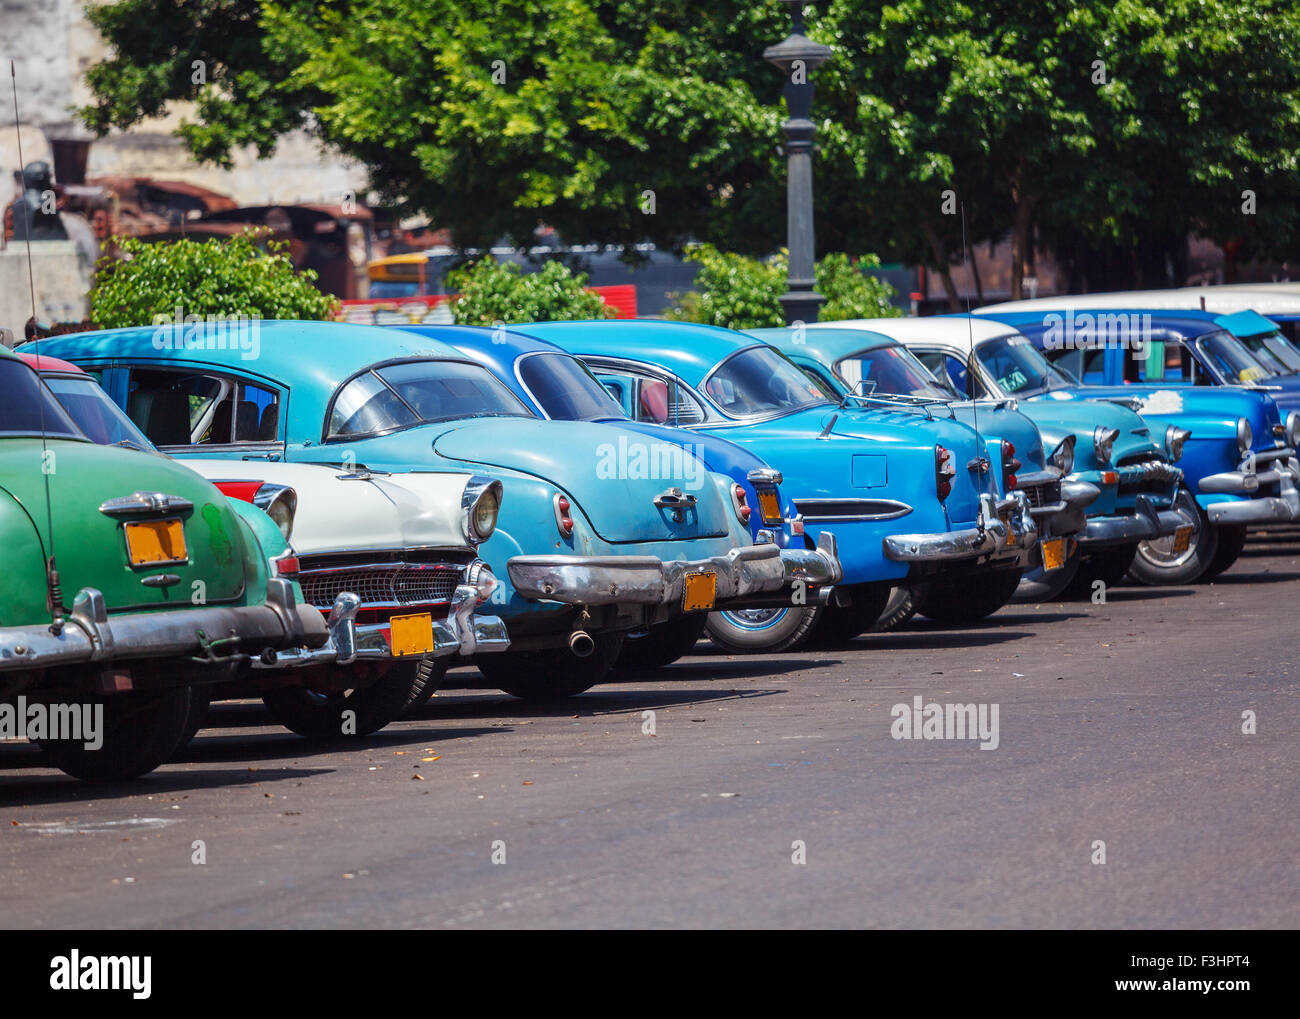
(1108, 565)
(429, 674)
(1147, 568)
(663, 644)
(789, 629)
(1037, 585)
(140, 732)
(1232, 540)
(554, 673)
(968, 599)
(200, 703)
(320, 716)
(841, 623)
(900, 607)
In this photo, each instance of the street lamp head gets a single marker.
(797, 46)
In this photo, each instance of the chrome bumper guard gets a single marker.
(608, 580)
(990, 537)
(1145, 523)
(463, 631)
(275, 629)
(1271, 509)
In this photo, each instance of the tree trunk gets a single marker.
(1019, 231)
(940, 253)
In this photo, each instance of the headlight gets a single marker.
(1244, 436)
(481, 502)
(1293, 429)
(1062, 457)
(280, 503)
(1103, 441)
(1175, 437)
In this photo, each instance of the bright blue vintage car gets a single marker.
(593, 547)
(910, 500)
(556, 385)
(1238, 456)
(1140, 497)
(877, 370)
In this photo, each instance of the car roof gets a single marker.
(313, 357)
(960, 331)
(827, 345)
(1186, 323)
(688, 349)
(45, 363)
(1272, 299)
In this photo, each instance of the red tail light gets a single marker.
(944, 472)
(740, 503)
(244, 491)
(563, 518)
(287, 566)
(1009, 465)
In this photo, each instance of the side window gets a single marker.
(1070, 360)
(647, 398)
(946, 368)
(180, 408)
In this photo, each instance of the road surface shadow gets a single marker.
(604, 699)
(29, 790)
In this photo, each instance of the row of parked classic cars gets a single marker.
(332, 516)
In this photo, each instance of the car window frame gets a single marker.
(259, 447)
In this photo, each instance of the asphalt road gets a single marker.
(1119, 723)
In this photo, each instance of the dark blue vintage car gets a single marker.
(911, 500)
(1238, 455)
(593, 548)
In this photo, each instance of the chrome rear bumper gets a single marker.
(992, 537)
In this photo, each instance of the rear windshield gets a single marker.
(892, 370)
(418, 392)
(103, 421)
(565, 389)
(28, 408)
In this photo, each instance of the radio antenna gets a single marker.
(54, 593)
(970, 335)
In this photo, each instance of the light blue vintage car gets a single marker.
(593, 546)
(912, 501)
(880, 371)
(556, 385)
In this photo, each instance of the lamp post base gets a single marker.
(801, 306)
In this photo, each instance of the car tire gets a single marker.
(841, 623)
(1157, 564)
(319, 716)
(200, 704)
(755, 631)
(429, 674)
(963, 600)
(1232, 540)
(141, 730)
(554, 673)
(1108, 566)
(663, 644)
(900, 607)
(1039, 585)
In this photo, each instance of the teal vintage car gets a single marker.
(602, 530)
(129, 581)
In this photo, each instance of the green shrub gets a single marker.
(738, 292)
(229, 277)
(488, 291)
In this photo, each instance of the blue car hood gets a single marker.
(1209, 411)
(612, 473)
(1060, 415)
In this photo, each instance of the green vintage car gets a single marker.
(128, 581)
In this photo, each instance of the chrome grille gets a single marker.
(1045, 494)
(388, 584)
(1150, 476)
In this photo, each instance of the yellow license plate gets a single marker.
(1006, 522)
(769, 507)
(155, 542)
(411, 635)
(700, 593)
(1054, 553)
(1182, 538)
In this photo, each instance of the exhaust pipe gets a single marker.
(581, 644)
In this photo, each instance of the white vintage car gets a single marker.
(403, 548)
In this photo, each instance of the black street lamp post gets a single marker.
(798, 56)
